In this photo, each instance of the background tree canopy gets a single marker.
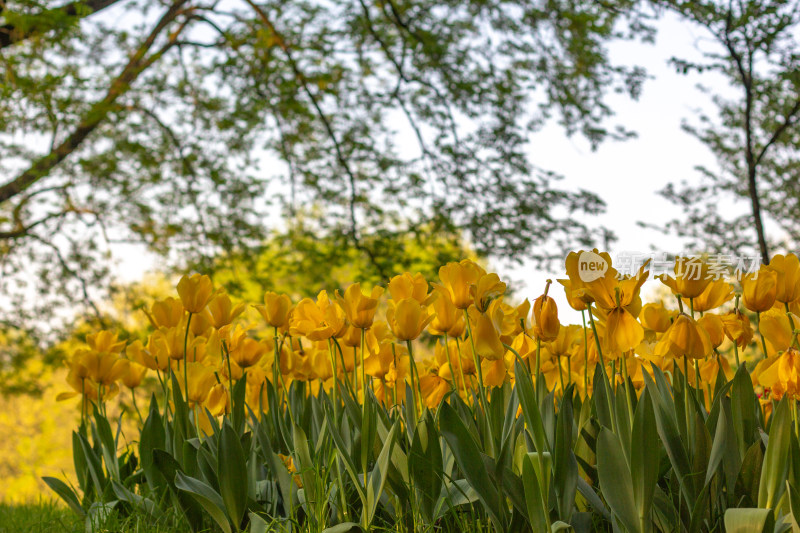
(192, 127)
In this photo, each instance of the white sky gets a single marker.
(627, 175)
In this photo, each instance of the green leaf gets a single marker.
(206, 497)
(468, 458)
(65, 493)
(304, 463)
(232, 472)
(534, 499)
(775, 466)
(377, 478)
(645, 454)
(749, 521)
(530, 407)
(615, 480)
(258, 524)
(425, 464)
(344, 527)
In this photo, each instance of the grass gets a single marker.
(44, 517)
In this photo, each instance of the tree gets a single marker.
(755, 136)
(191, 127)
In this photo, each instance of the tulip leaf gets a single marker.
(468, 457)
(425, 464)
(530, 407)
(232, 473)
(304, 463)
(377, 478)
(743, 408)
(534, 499)
(65, 493)
(775, 466)
(565, 466)
(645, 453)
(749, 520)
(206, 497)
(615, 480)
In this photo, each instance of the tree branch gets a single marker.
(99, 110)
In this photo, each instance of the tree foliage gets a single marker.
(192, 127)
(754, 135)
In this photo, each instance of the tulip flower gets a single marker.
(458, 278)
(407, 318)
(447, 318)
(359, 309)
(247, 352)
(133, 373)
(487, 289)
(713, 326)
(783, 376)
(105, 341)
(655, 317)
(318, 320)
(487, 340)
(195, 292)
(737, 328)
(778, 328)
(167, 313)
(200, 380)
(684, 338)
(759, 290)
(715, 294)
(276, 309)
(691, 277)
(545, 322)
(407, 286)
(787, 270)
(222, 311)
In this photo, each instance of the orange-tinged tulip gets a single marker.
(759, 290)
(691, 277)
(407, 318)
(195, 292)
(276, 309)
(359, 309)
(655, 317)
(487, 289)
(787, 269)
(713, 326)
(715, 294)
(167, 313)
(684, 337)
(407, 286)
(737, 328)
(433, 388)
(458, 278)
(545, 322)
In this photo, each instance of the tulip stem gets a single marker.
(185, 358)
(624, 366)
(585, 355)
(596, 338)
(538, 360)
(760, 334)
(560, 374)
(450, 364)
(415, 400)
(686, 392)
(136, 407)
(481, 388)
(736, 352)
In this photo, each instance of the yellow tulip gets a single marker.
(778, 328)
(318, 320)
(713, 326)
(432, 388)
(133, 373)
(759, 290)
(218, 400)
(248, 352)
(737, 328)
(575, 287)
(200, 380)
(407, 286)
(545, 322)
(655, 317)
(222, 310)
(691, 277)
(407, 318)
(623, 332)
(105, 341)
(103, 368)
(684, 338)
(167, 313)
(783, 376)
(487, 289)
(494, 372)
(715, 294)
(276, 309)
(487, 340)
(447, 319)
(458, 278)
(787, 269)
(195, 292)
(359, 309)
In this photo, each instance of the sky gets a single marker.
(627, 175)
